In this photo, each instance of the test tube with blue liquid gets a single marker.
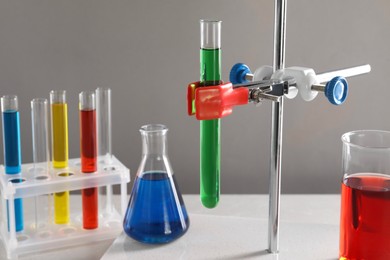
(12, 151)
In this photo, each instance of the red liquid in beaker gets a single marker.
(365, 217)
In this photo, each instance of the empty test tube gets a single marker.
(59, 128)
(103, 109)
(41, 156)
(12, 151)
(40, 137)
(88, 147)
(103, 106)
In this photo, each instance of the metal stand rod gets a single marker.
(276, 130)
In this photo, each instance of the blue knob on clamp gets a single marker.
(336, 90)
(238, 73)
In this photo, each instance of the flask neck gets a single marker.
(154, 140)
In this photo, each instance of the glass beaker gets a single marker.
(156, 212)
(365, 196)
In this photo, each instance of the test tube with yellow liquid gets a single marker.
(59, 128)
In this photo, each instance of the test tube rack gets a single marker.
(28, 184)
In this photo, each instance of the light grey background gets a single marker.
(147, 52)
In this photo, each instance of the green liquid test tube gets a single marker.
(210, 130)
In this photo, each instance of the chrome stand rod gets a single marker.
(276, 130)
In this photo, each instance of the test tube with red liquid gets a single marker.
(88, 148)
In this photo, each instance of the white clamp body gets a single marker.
(308, 83)
(304, 78)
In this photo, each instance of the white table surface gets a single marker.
(236, 229)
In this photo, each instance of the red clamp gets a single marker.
(213, 102)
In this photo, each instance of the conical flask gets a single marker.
(156, 213)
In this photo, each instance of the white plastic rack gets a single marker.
(50, 236)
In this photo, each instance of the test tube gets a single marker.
(40, 137)
(103, 106)
(59, 127)
(41, 156)
(103, 109)
(12, 150)
(210, 130)
(88, 156)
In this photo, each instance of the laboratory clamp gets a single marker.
(211, 99)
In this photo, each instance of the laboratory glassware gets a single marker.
(156, 212)
(59, 128)
(103, 108)
(88, 151)
(104, 137)
(365, 195)
(12, 151)
(41, 157)
(53, 236)
(210, 130)
(40, 137)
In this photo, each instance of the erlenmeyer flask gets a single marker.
(156, 212)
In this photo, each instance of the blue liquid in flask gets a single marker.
(156, 213)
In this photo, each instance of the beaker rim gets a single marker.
(153, 128)
(346, 139)
(210, 21)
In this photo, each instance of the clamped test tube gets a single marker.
(88, 149)
(12, 152)
(41, 156)
(210, 130)
(59, 127)
(103, 110)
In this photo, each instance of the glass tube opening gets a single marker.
(210, 34)
(154, 139)
(87, 100)
(57, 96)
(153, 128)
(9, 103)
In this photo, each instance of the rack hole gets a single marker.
(109, 168)
(65, 174)
(41, 177)
(21, 238)
(17, 180)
